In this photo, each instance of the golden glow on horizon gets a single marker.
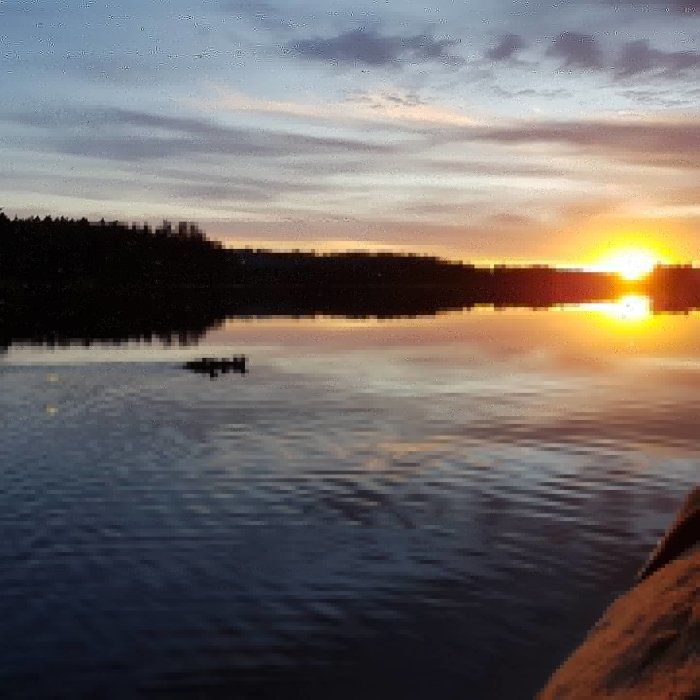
(629, 260)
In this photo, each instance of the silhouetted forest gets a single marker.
(68, 252)
(64, 279)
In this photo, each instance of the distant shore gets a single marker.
(59, 253)
(75, 279)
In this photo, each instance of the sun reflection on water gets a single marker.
(631, 308)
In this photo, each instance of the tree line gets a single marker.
(64, 252)
(61, 250)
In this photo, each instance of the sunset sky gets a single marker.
(480, 130)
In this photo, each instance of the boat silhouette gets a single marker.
(213, 366)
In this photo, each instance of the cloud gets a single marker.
(633, 58)
(253, 8)
(685, 7)
(577, 50)
(501, 169)
(638, 57)
(122, 134)
(369, 47)
(234, 186)
(674, 144)
(506, 48)
(407, 108)
(398, 109)
(258, 13)
(667, 99)
(538, 93)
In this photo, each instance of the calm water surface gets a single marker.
(413, 508)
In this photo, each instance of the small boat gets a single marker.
(213, 365)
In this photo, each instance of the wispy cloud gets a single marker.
(253, 8)
(121, 134)
(370, 48)
(672, 144)
(394, 108)
(684, 7)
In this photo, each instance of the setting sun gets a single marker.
(630, 263)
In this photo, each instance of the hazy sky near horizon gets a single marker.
(475, 129)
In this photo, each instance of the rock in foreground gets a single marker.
(647, 645)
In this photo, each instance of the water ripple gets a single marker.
(164, 534)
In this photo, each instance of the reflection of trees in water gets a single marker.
(180, 315)
(55, 318)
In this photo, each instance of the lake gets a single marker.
(429, 507)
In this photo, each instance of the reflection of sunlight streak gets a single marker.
(632, 308)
